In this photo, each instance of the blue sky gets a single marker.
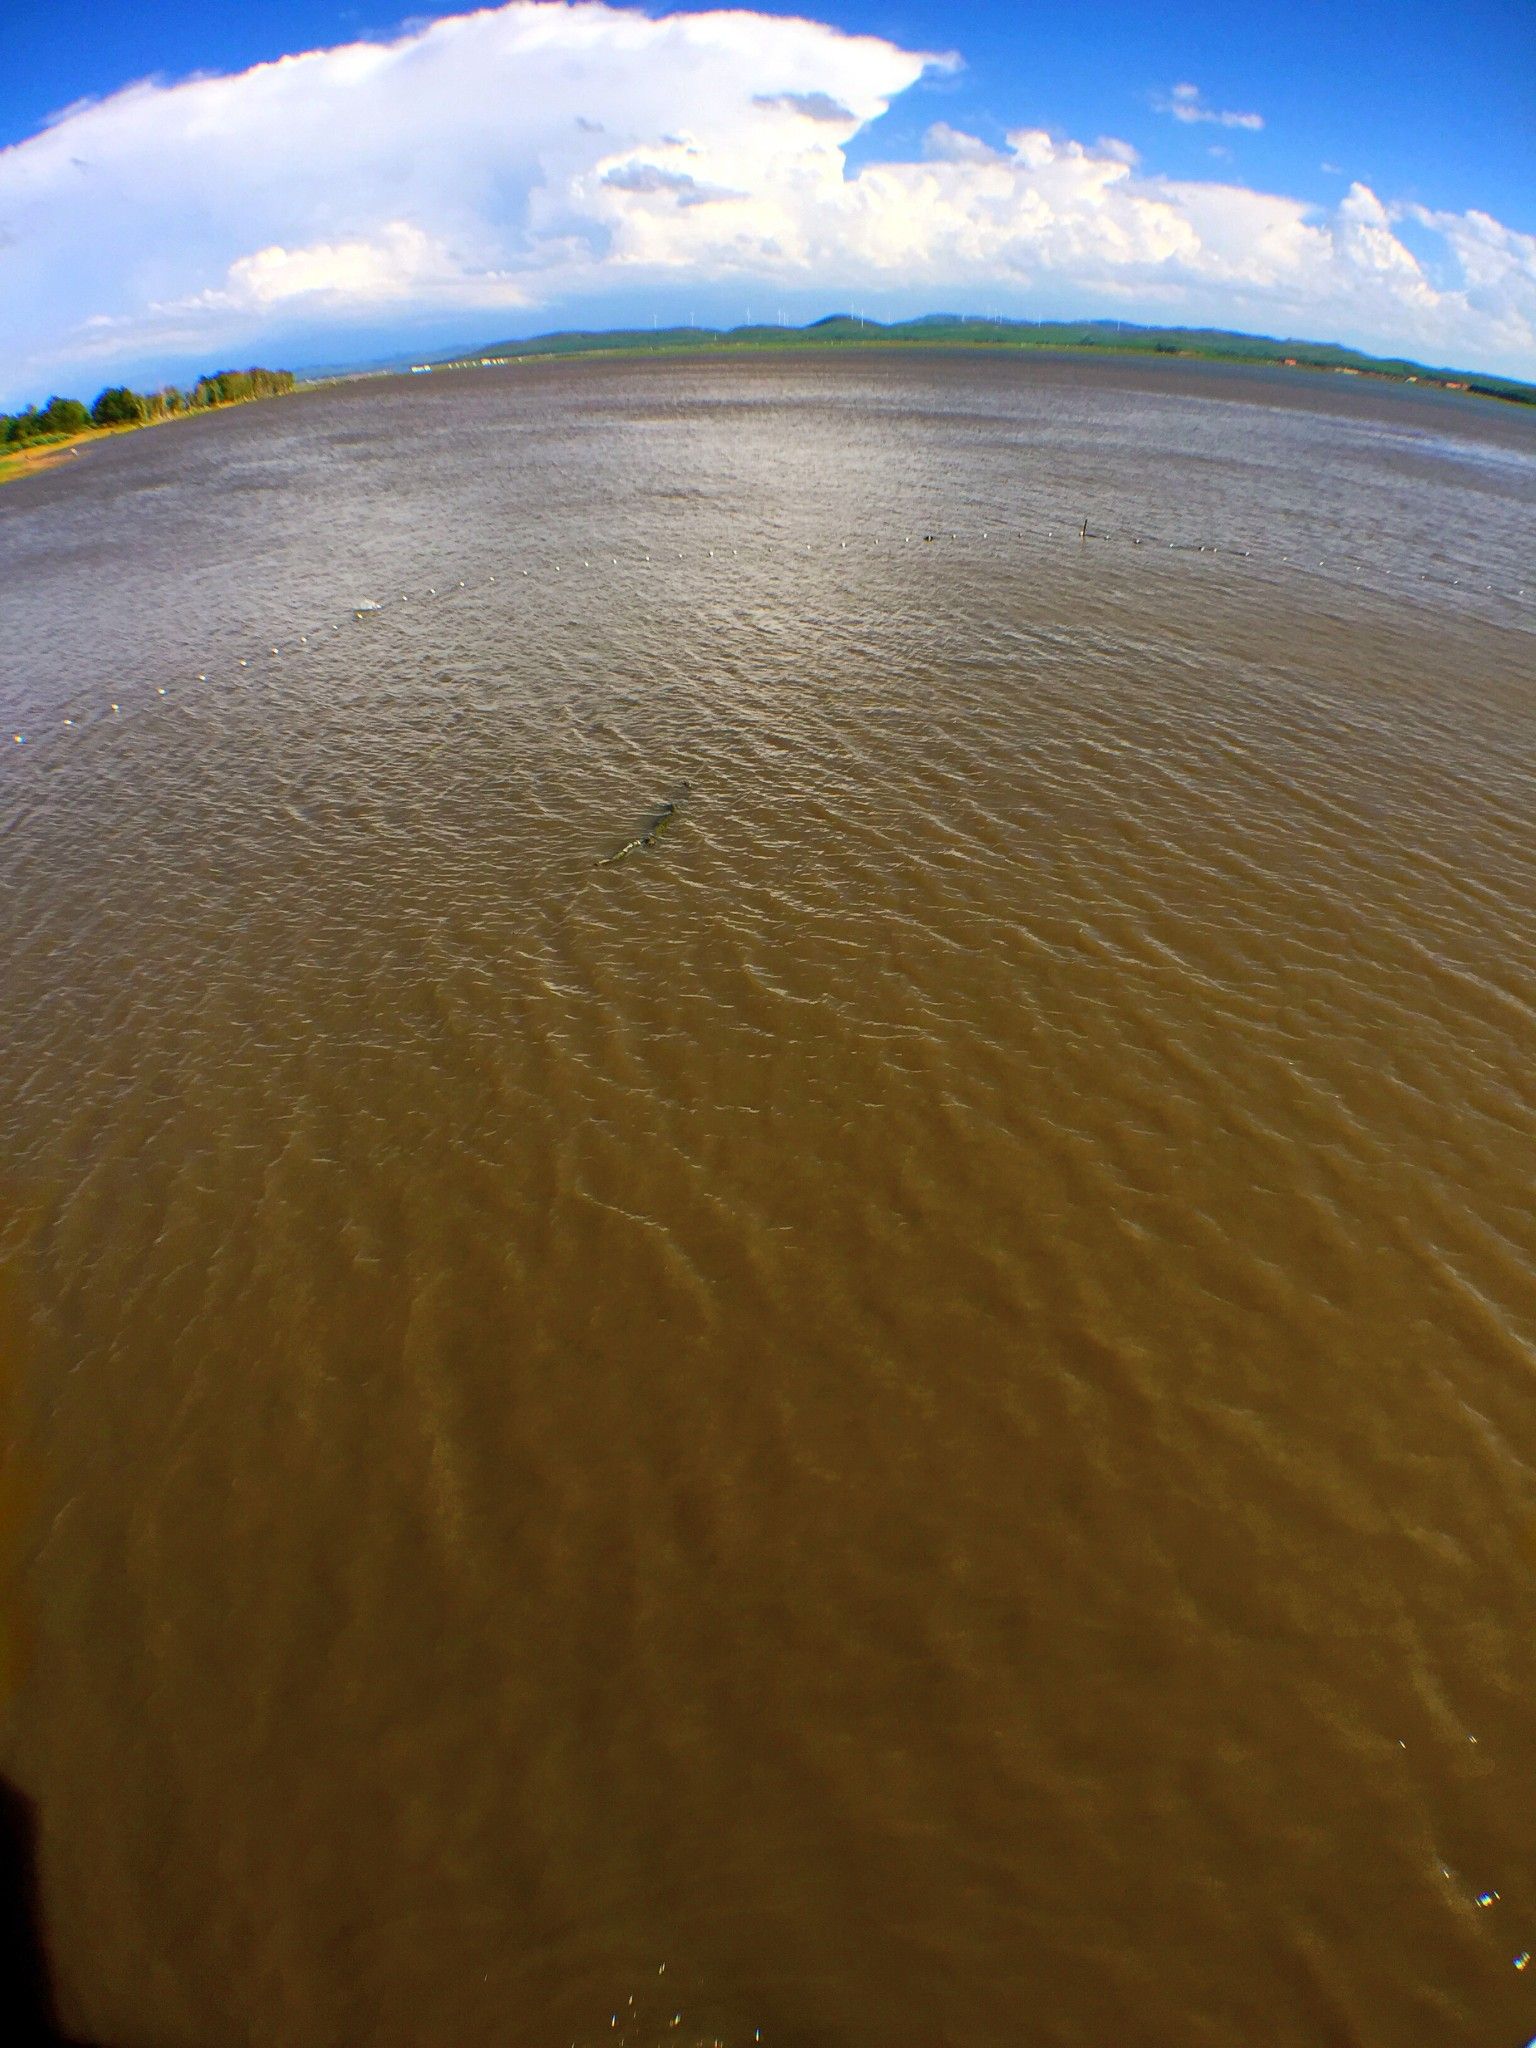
(1365, 173)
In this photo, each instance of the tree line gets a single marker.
(117, 406)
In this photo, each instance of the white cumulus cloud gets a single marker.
(535, 156)
(399, 265)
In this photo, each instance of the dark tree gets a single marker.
(63, 416)
(21, 427)
(117, 406)
(234, 387)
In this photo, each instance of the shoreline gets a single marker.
(19, 462)
(15, 464)
(1064, 339)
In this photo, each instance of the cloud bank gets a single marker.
(533, 156)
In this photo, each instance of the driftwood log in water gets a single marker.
(657, 824)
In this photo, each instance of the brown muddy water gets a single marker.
(906, 1417)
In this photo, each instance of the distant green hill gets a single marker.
(954, 330)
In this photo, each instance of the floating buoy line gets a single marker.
(365, 613)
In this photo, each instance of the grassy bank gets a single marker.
(37, 438)
(20, 462)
